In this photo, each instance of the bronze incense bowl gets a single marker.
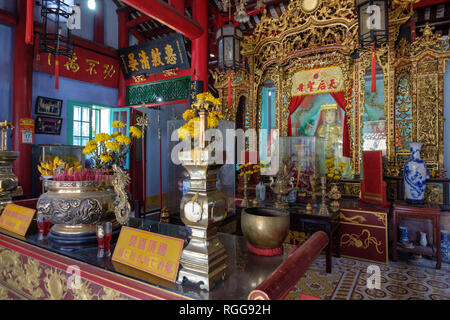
(265, 227)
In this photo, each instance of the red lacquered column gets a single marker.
(200, 44)
(123, 42)
(22, 97)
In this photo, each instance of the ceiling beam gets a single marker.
(8, 18)
(168, 15)
(137, 21)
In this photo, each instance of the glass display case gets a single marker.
(178, 178)
(306, 156)
(47, 152)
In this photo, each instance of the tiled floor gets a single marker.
(403, 280)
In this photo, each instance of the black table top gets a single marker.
(247, 270)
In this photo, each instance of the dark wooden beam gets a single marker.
(135, 22)
(7, 18)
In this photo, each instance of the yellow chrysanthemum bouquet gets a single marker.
(250, 168)
(108, 149)
(334, 173)
(205, 101)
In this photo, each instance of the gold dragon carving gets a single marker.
(122, 206)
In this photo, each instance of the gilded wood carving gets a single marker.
(327, 35)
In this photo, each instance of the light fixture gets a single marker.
(241, 15)
(91, 4)
(56, 35)
(373, 29)
(373, 22)
(229, 43)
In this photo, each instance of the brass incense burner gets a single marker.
(283, 184)
(76, 207)
(8, 180)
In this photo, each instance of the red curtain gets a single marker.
(340, 99)
(295, 102)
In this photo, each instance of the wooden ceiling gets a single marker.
(435, 12)
(151, 29)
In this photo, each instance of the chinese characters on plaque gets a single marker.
(150, 252)
(16, 218)
(317, 81)
(154, 57)
(84, 65)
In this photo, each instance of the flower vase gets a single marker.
(415, 175)
(423, 239)
(404, 238)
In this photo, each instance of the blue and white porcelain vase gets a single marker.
(415, 175)
(445, 245)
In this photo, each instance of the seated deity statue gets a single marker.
(330, 129)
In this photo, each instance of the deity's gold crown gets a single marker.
(332, 106)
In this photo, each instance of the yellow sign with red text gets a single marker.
(150, 252)
(315, 81)
(16, 218)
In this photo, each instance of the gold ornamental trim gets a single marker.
(355, 240)
(65, 265)
(352, 219)
(380, 216)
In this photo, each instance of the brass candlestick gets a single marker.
(312, 181)
(5, 126)
(244, 202)
(323, 211)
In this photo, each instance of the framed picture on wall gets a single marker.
(44, 125)
(48, 106)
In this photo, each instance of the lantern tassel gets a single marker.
(56, 72)
(229, 89)
(29, 23)
(374, 71)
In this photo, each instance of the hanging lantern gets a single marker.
(229, 42)
(56, 36)
(373, 22)
(373, 29)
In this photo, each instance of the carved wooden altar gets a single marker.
(306, 37)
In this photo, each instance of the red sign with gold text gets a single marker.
(150, 252)
(85, 65)
(16, 218)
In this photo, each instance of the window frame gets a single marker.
(71, 104)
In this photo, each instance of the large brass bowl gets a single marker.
(75, 207)
(265, 227)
